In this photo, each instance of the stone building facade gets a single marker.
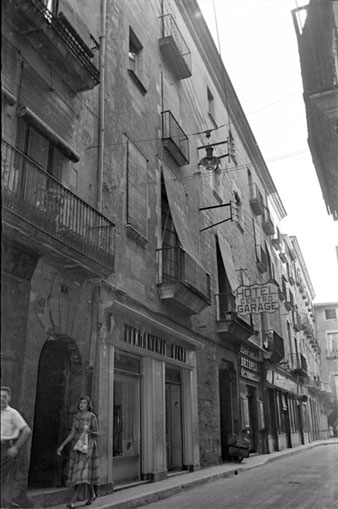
(136, 202)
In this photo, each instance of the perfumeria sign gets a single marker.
(257, 298)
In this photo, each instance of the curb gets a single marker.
(156, 493)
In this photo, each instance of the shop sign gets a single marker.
(152, 343)
(249, 367)
(257, 298)
(282, 382)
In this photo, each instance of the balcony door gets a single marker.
(34, 186)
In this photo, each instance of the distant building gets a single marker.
(327, 330)
(316, 26)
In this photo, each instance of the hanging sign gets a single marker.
(257, 298)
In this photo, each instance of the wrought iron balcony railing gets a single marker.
(177, 266)
(174, 139)
(57, 39)
(174, 48)
(230, 324)
(38, 198)
(298, 364)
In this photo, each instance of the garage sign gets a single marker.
(257, 298)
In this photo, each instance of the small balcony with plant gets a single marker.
(229, 324)
(174, 49)
(273, 345)
(182, 281)
(60, 37)
(41, 213)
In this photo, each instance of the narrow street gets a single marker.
(308, 480)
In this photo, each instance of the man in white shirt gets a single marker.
(14, 434)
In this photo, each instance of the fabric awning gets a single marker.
(178, 207)
(228, 261)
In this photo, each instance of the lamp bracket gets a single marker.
(219, 222)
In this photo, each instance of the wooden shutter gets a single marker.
(137, 189)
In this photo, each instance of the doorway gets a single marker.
(52, 420)
(226, 396)
(173, 416)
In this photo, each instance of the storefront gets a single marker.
(151, 397)
(286, 411)
(251, 400)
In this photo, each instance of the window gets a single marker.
(135, 61)
(39, 149)
(332, 341)
(330, 314)
(211, 105)
(137, 190)
(237, 209)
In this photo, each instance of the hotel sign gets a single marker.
(257, 298)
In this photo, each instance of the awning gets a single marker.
(35, 121)
(228, 261)
(178, 207)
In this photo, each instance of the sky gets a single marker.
(258, 45)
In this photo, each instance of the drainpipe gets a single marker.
(101, 103)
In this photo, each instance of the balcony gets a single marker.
(183, 283)
(174, 48)
(174, 140)
(256, 200)
(298, 365)
(41, 213)
(261, 259)
(230, 326)
(267, 223)
(273, 345)
(57, 41)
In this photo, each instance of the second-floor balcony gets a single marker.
(182, 281)
(174, 48)
(41, 213)
(174, 139)
(298, 365)
(229, 324)
(273, 345)
(56, 38)
(256, 200)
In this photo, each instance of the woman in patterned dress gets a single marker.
(83, 466)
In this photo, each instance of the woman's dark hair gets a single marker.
(89, 403)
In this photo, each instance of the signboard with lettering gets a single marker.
(257, 298)
(249, 367)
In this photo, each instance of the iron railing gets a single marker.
(298, 362)
(273, 342)
(177, 266)
(38, 198)
(40, 13)
(172, 130)
(170, 29)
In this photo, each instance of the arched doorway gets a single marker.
(59, 373)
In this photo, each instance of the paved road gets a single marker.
(307, 480)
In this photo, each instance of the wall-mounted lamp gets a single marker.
(210, 162)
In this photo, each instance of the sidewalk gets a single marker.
(147, 493)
